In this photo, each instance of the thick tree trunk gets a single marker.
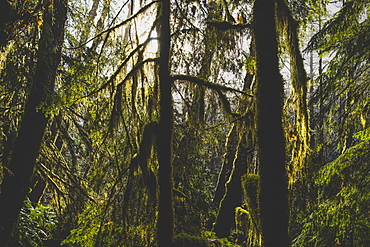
(15, 186)
(273, 182)
(164, 140)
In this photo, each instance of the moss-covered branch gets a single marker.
(207, 84)
(140, 11)
(225, 25)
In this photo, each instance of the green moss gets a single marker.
(250, 189)
(186, 240)
(247, 217)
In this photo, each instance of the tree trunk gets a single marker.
(227, 165)
(299, 79)
(15, 186)
(273, 183)
(233, 192)
(229, 192)
(164, 141)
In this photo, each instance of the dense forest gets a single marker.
(185, 123)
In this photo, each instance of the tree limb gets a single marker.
(116, 26)
(225, 25)
(138, 66)
(207, 84)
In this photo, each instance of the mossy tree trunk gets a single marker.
(226, 169)
(242, 157)
(238, 159)
(300, 141)
(233, 192)
(165, 223)
(273, 183)
(15, 186)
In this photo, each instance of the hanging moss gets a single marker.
(300, 141)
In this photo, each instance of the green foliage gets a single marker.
(97, 226)
(36, 223)
(339, 104)
(94, 226)
(363, 135)
(185, 240)
(345, 38)
(341, 217)
(214, 241)
(89, 224)
(193, 157)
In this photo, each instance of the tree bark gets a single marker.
(15, 186)
(227, 165)
(233, 192)
(273, 183)
(165, 223)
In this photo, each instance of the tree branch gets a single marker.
(116, 26)
(225, 25)
(136, 68)
(115, 74)
(207, 84)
